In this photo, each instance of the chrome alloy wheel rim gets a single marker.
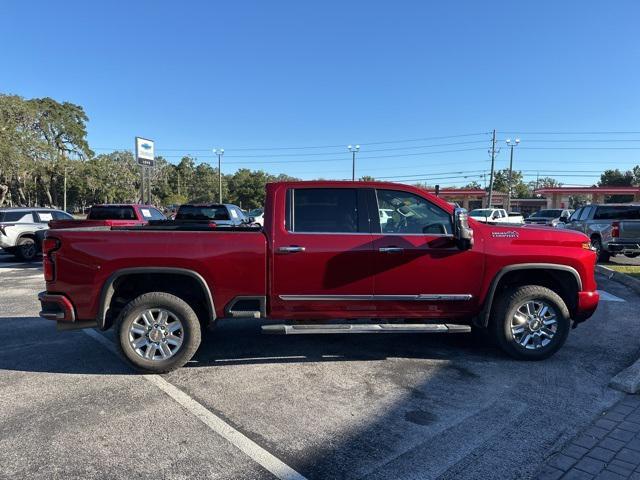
(534, 324)
(156, 334)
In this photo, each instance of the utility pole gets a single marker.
(511, 144)
(493, 164)
(353, 149)
(219, 152)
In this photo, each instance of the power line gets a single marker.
(515, 132)
(581, 148)
(304, 147)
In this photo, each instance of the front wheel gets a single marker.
(530, 322)
(158, 332)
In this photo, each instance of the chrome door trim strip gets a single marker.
(422, 297)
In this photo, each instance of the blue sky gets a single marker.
(264, 75)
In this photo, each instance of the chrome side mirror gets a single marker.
(462, 233)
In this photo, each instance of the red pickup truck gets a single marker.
(121, 215)
(326, 261)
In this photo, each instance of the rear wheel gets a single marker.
(158, 332)
(26, 249)
(530, 322)
(603, 255)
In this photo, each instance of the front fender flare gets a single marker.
(483, 319)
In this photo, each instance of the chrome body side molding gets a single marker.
(422, 297)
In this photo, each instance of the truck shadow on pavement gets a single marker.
(235, 343)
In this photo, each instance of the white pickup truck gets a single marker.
(495, 215)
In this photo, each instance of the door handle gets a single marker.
(391, 250)
(291, 249)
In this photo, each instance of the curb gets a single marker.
(630, 282)
(628, 380)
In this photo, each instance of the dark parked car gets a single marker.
(551, 217)
(223, 215)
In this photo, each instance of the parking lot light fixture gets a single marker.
(353, 149)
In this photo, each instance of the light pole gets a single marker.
(353, 149)
(511, 144)
(219, 152)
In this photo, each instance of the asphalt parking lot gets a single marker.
(359, 406)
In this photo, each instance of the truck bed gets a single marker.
(233, 262)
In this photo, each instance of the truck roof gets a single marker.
(360, 184)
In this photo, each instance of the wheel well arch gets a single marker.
(562, 279)
(126, 284)
(30, 235)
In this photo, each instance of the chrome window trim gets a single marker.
(422, 297)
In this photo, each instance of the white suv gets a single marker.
(19, 225)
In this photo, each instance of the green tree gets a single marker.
(475, 185)
(615, 178)
(518, 188)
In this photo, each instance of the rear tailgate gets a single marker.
(630, 231)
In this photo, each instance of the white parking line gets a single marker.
(254, 451)
(609, 297)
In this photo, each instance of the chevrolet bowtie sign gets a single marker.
(145, 152)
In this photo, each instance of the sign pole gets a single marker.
(146, 159)
(141, 184)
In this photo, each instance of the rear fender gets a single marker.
(108, 290)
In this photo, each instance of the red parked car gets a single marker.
(323, 254)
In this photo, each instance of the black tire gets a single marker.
(505, 309)
(632, 255)
(603, 255)
(26, 249)
(191, 333)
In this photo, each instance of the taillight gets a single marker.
(49, 246)
(212, 225)
(615, 229)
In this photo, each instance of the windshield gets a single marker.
(480, 212)
(547, 213)
(111, 212)
(256, 212)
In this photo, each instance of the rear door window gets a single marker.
(618, 212)
(44, 216)
(323, 210)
